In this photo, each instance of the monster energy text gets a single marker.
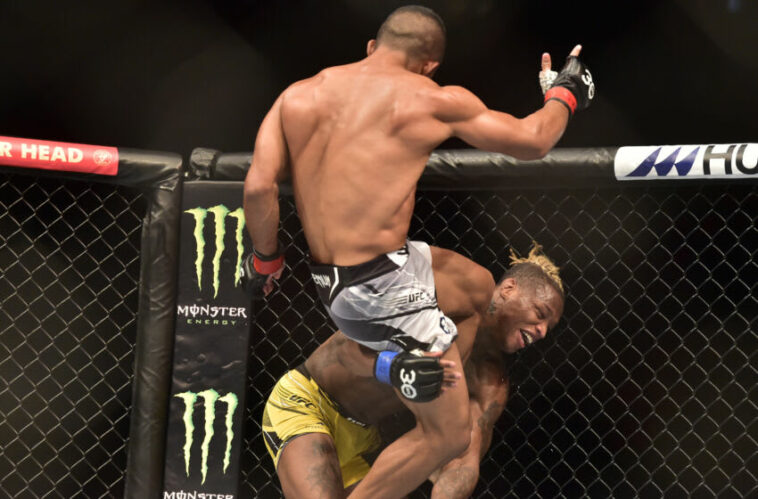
(219, 212)
(211, 315)
(182, 494)
(209, 397)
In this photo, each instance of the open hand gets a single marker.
(547, 75)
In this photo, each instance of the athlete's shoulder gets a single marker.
(305, 85)
(453, 103)
(465, 274)
(299, 100)
(322, 86)
(424, 87)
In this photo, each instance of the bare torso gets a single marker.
(354, 140)
(358, 138)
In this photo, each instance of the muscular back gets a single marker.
(355, 139)
(358, 138)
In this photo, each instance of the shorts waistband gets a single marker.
(330, 279)
(342, 412)
(303, 370)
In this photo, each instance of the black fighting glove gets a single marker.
(573, 87)
(259, 272)
(418, 378)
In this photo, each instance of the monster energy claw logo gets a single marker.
(219, 212)
(210, 397)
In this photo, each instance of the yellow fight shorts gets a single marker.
(297, 406)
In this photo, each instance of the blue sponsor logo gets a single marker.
(663, 167)
(699, 162)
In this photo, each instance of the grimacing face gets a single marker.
(525, 313)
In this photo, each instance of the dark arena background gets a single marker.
(647, 387)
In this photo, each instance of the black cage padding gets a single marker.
(470, 169)
(155, 328)
(457, 169)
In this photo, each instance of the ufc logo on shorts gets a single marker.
(409, 391)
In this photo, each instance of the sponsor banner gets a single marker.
(194, 494)
(60, 156)
(717, 161)
(209, 401)
(204, 437)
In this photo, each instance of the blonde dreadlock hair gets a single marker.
(525, 267)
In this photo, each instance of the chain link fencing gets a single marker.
(69, 272)
(646, 388)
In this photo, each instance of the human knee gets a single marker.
(450, 439)
(458, 442)
(452, 445)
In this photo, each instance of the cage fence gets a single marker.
(68, 309)
(647, 387)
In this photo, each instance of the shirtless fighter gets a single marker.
(322, 417)
(355, 139)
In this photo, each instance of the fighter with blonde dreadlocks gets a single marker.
(335, 406)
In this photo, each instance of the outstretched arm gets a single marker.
(526, 138)
(270, 166)
(458, 478)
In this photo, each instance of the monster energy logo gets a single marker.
(219, 212)
(210, 397)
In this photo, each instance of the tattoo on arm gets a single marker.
(455, 483)
(324, 475)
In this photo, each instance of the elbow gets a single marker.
(537, 148)
(451, 442)
(541, 147)
(524, 152)
(459, 443)
(534, 152)
(257, 189)
(536, 143)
